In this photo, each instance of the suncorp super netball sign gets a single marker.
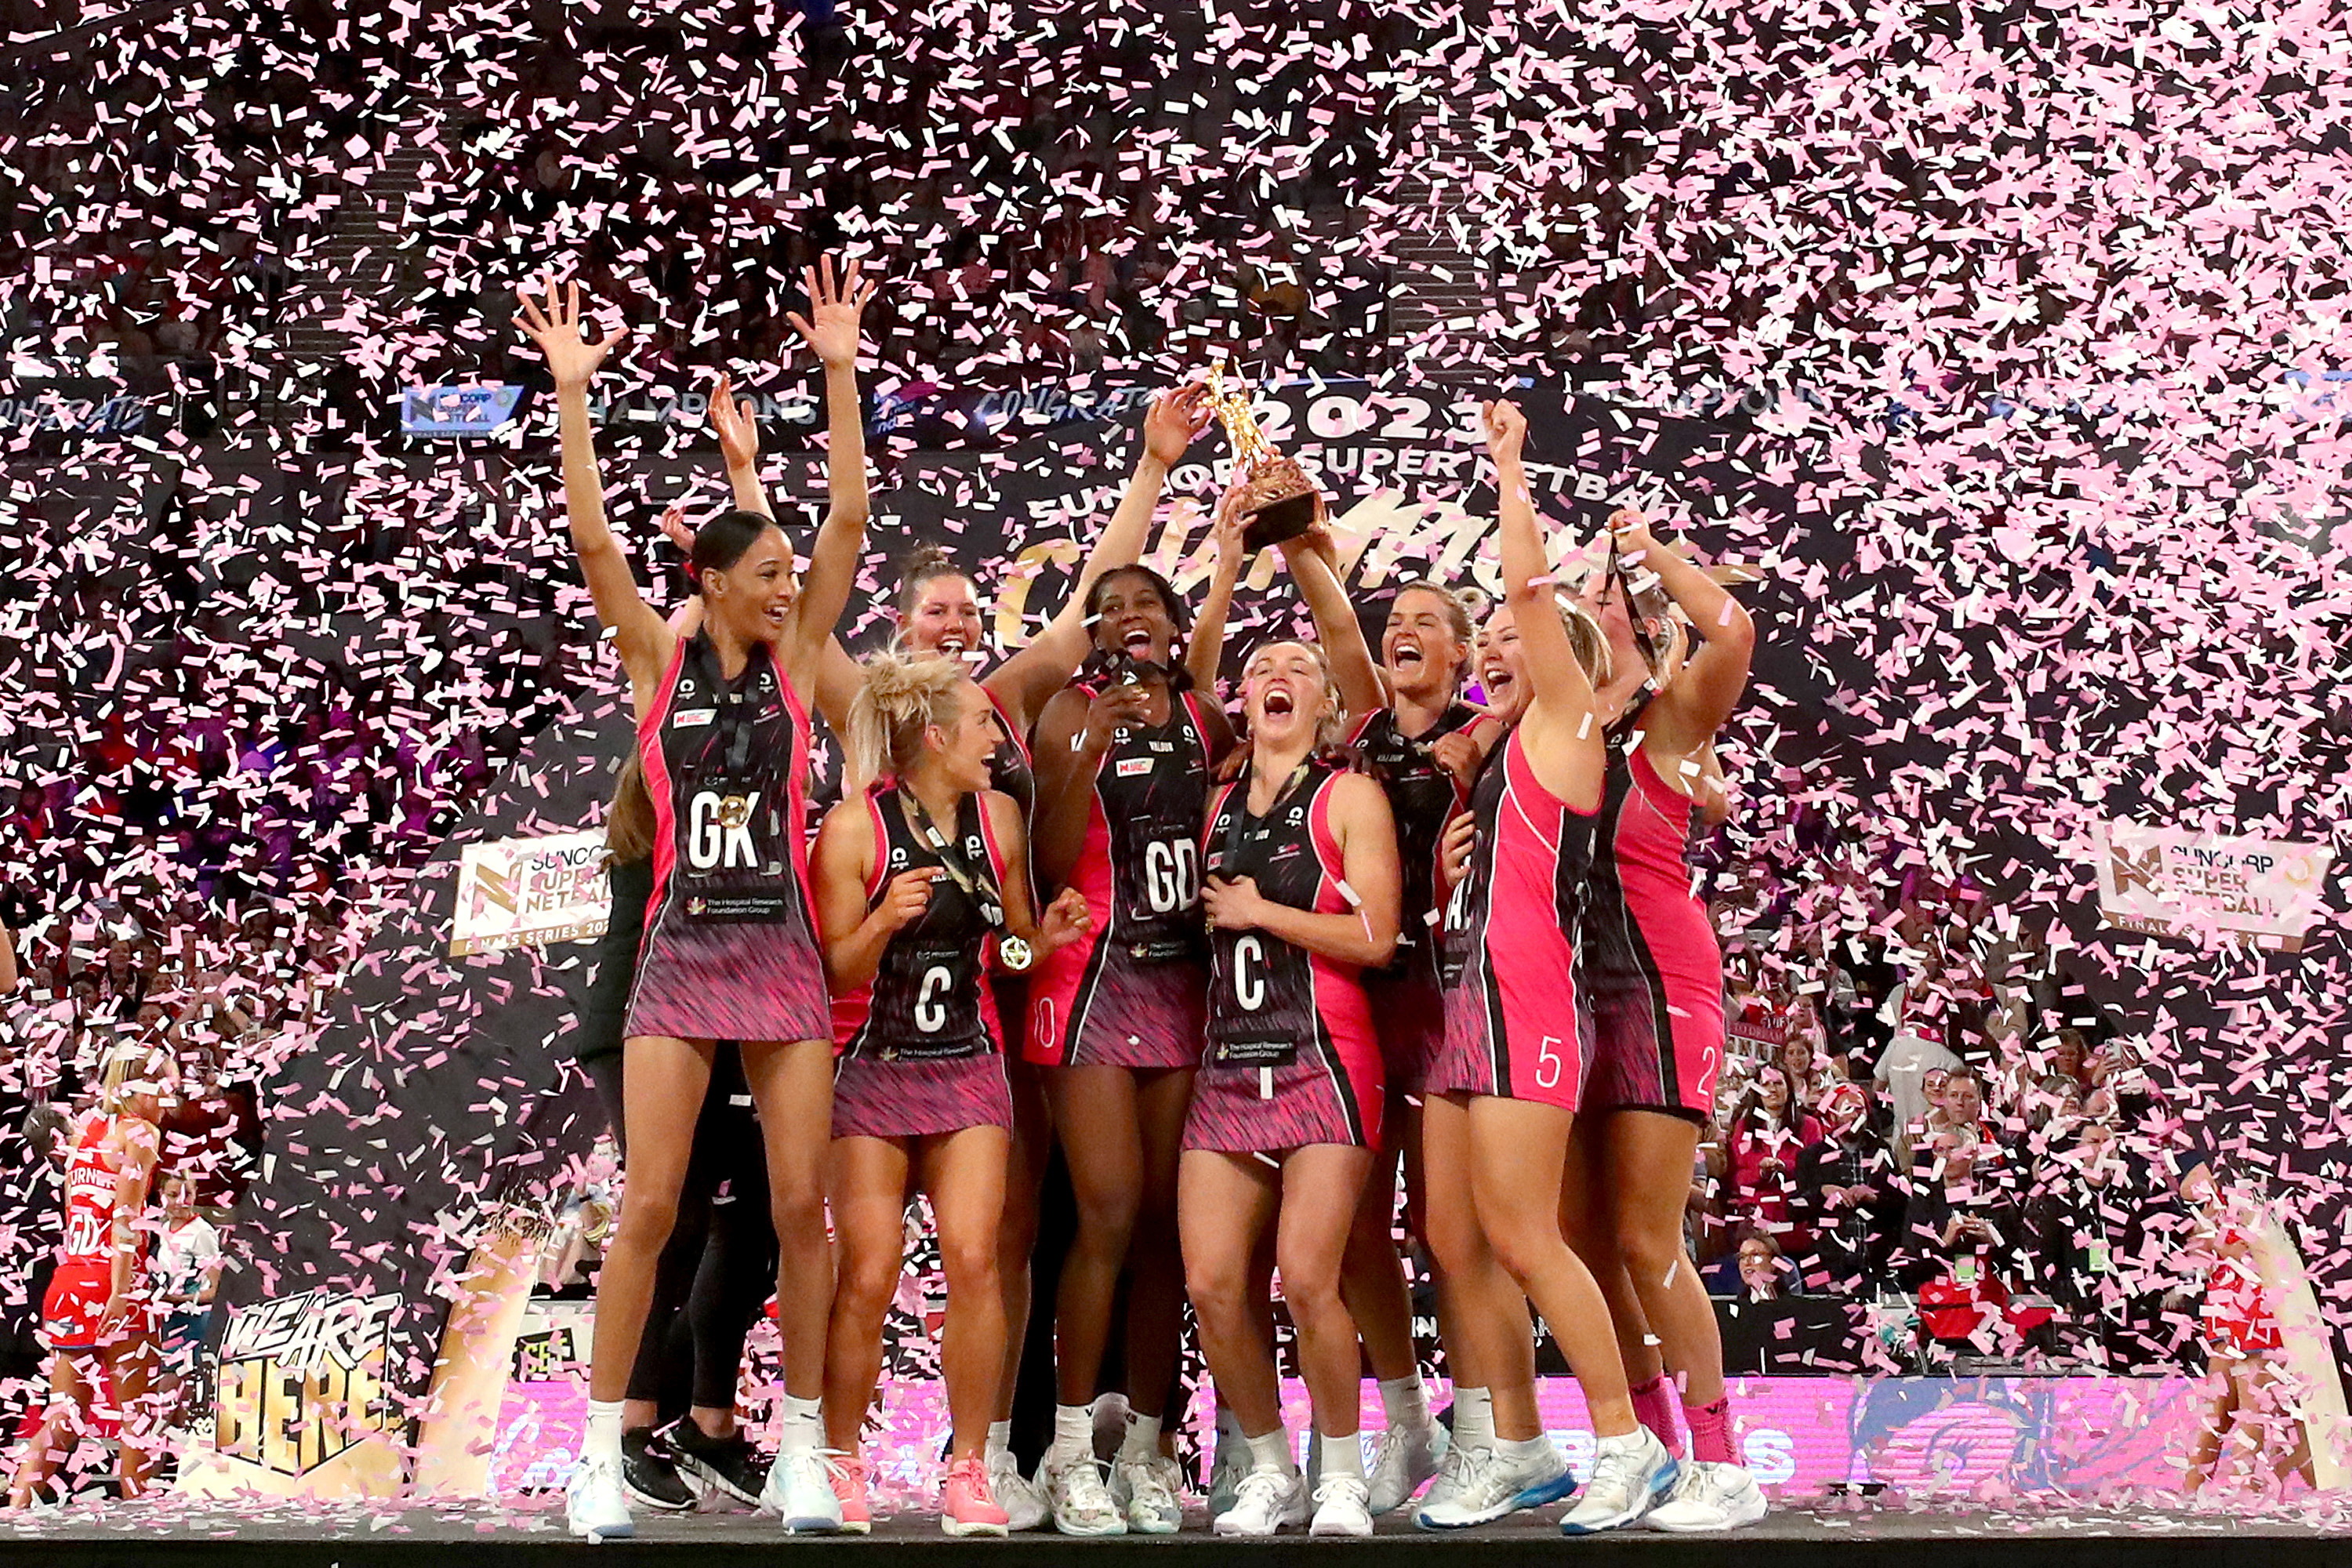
(530, 892)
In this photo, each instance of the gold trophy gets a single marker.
(1277, 497)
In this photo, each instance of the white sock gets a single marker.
(1473, 1418)
(1074, 1434)
(1142, 1439)
(1273, 1452)
(1626, 1442)
(603, 1438)
(1000, 1438)
(1406, 1400)
(802, 1429)
(1517, 1448)
(1342, 1455)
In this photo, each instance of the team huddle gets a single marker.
(1236, 967)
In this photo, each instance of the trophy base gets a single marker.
(1278, 520)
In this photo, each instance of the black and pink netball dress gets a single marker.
(730, 950)
(1291, 1057)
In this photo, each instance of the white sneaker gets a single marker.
(1023, 1504)
(1231, 1463)
(1406, 1457)
(1266, 1499)
(1629, 1476)
(1708, 1497)
(1488, 1484)
(1081, 1504)
(1448, 1478)
(1340, 1506)
(595, 1504)
(801, 1493)
(1150, 1493)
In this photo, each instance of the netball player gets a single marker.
(717, 1268)
(1123, 767)
(96, 1319)
(1504, 1092)
(1415, 735)
(730, 949)
(1652, 977)
(1301, 895)
(938, 609)
(920, 884)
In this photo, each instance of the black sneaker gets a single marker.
(649, 1474)
(727, 1464)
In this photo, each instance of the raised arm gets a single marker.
(1312, 566)
(831, 329)
(1562, 742)
(1027, 682)
(643, 641)
(1204, 646)
(1367, 933)
(1704, 691)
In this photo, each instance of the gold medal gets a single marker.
(1014, 954)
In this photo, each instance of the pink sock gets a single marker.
(1653, 1405)
(1710, 1427)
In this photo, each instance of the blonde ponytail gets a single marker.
(902, 695)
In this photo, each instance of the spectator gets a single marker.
(187, 1273)
(1901, 1076)
(1767, 1138)
(1756, 1271)
(1849, 1198)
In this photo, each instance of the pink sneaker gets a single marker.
(969, 1506)
(847, 1474)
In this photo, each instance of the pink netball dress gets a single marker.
(1408, 1006)
(729, 950)
(920, 1046)
(1652, 974)
(1508, 963)
(1132, 993)
(1293, 1059)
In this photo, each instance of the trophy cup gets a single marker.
(1276, 494)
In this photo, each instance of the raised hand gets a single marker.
(1631, 530)
(831, 326)
(555, 328)
(1505, 427)
(675, 527)
(1226, 529)
(733, 423)
(1175, 421)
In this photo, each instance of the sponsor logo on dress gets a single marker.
(1134, 767)
(692, 718)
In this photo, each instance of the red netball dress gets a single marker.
(1508, 961)
(1131, 991)
(730, 949)
(920, 1045)
(1293, 1059)
(1408, 1006)
(1652, 974)
(75, 1300)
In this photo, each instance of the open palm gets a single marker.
(831, 326)
(554, 326)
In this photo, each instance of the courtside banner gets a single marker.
(530, 892)
(2172, 883)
